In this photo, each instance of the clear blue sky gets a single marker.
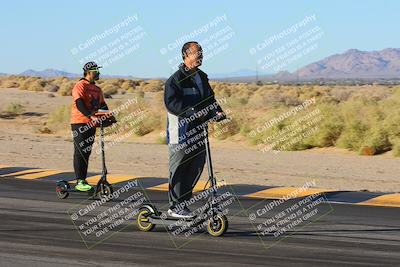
(41, 34)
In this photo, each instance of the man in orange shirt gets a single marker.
(87, 99)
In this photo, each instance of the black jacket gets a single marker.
(183, 98)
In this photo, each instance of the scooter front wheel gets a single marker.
(217, 225)
(143, 221)
(105, 191)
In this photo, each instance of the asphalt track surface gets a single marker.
(36, 230)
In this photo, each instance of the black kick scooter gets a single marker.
(103, 187)
(217, 223)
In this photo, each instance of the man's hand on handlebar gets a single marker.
(94, 118)
(220, 116)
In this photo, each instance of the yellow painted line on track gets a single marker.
(389, 200)
(23, 172)
(111, 178)
(287, 192)
(164, 187)
(160, 187)
(38, 175)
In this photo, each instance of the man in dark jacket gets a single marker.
(190, 102)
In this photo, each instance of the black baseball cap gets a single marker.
(91, 65)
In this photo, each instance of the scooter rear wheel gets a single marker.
(143, 221)
(61, 190)
(217, 225)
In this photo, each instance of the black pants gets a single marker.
(83, 141)
(184, 171)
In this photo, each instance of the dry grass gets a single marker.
(364, 119)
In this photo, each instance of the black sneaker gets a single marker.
(181, 214)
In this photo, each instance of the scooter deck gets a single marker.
(78, 191)
(160, 219)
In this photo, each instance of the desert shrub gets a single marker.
(109, 89)
(51, 88)
(145, 127)
(257, 101)
(128, 85)
(395, 147)
(59, 119)
(60, 80)
(341, 93)
(139, 94)
(141, 118)
(161, 139)
(236, 102)
(274, 97)
(352, 135)
(66, 88)
(365, 119)
(329, 128)
(152, 121)
(11, 84)
(375, 142)
(14, 108)
(37, 86)
(27, 82)
(152, 86)
(224, 129)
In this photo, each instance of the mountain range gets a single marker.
(48, 73)
(352, 64)
(355, 64)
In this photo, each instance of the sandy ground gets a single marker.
(22, 145)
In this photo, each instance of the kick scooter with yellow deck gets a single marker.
(216, 222)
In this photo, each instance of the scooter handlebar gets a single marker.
(109, 117)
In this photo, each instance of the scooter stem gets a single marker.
(103, 156)
(208, 159)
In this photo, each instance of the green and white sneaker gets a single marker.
(82, 185)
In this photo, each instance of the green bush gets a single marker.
(352, 135)
(329, 128)
(375, 142)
